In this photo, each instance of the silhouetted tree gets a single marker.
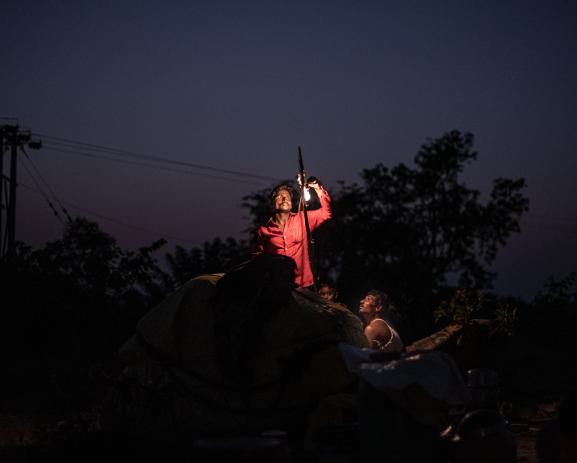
(539, 362)
(415, 227)
(78, 299)
(407, 230)
(95, 267)
(557, 292)
(215, 256)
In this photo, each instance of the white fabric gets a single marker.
(435, 371)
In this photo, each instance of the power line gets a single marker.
(119, 152)
(175, 238)
(41, 191)
(116, 221)
(45, 183)
(150, 166)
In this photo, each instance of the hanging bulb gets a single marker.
(307, 195)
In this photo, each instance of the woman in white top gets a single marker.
(380, 334)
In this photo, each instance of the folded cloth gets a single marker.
(434, 371)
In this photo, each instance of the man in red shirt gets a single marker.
(285, 232)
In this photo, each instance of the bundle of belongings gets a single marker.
(239, 351)
(405, 402)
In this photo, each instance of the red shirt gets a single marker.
(293, 241)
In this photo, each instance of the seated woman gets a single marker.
(379, 332)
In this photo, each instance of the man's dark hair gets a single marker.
(277, 189)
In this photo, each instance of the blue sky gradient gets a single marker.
(239, 85)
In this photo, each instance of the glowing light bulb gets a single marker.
(307, 194)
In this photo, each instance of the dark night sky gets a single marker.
(238, 85)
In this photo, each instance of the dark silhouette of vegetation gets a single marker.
(75, 301)
(419, 233)
(215, 256)
(540, 359)
(407, 230)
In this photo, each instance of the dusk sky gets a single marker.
(239, 85)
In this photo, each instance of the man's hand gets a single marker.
(313, 183)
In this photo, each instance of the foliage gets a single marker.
(78, 299)
(557, 292)
(419, 225)
(216, 256)
(540, 359)
(408, 229)
(529, 344)
(466, 307)
(506, 317)
(462, 308)
(94, 267)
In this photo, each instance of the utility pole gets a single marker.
(12, 136)
(1, 189)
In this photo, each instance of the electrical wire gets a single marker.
(41, 191)
(93, 147)
(115, 221)
(45, 183)
(150, 166)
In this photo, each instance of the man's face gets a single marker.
(369, 306)
(282, 201)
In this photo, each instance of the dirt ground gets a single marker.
(526, 445)
(27, 438)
